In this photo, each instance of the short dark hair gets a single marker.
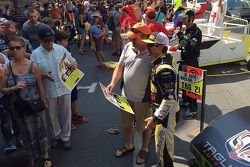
(32, 10)
(61, 35)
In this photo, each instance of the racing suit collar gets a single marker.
(159, 59)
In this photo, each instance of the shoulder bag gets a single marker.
(22, 106)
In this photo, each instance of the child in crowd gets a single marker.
(61, 38)
(97, 33)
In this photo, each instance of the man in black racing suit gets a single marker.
(164, 97)
(189, 43)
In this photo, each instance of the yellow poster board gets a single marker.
(69, 76)
(119, 101)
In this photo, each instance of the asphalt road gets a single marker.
(94, 147)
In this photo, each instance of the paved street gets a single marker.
(94, 147)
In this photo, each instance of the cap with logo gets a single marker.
(150, 13)
(46, 34)
(157, 38)
(138, 28)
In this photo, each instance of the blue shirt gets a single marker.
(95, 30)
(48, 61)
(160, 17)
(76, 14)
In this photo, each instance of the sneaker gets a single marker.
(79, 119)
(54, 143)
(66, 145)
(10, 149)
(184, 105)
(189, 115)
(73, 126)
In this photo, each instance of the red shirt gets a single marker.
(157, 27)
(55, 13)
(132, 13)
(126, 21)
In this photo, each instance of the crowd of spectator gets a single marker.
(32, 44)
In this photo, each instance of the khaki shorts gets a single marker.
(141, 110)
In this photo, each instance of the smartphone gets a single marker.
(6, 25)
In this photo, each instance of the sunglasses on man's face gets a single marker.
(12, 48)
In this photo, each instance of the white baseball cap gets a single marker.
(157, 38)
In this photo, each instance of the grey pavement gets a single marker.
(94, 147)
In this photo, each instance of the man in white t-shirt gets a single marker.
(219, 10)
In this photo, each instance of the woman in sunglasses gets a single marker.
(22, 80)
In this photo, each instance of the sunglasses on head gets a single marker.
(12, 48)
(153, 44)
(134, 30)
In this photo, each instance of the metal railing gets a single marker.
(233, 28)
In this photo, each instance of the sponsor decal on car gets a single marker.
(214, 157)
(238, 147)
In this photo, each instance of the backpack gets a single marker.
(111, 22)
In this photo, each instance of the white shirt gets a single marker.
(215, 8)
(48, 61)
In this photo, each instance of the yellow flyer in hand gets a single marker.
(110, 64)
(118, 101)
(70, 77)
